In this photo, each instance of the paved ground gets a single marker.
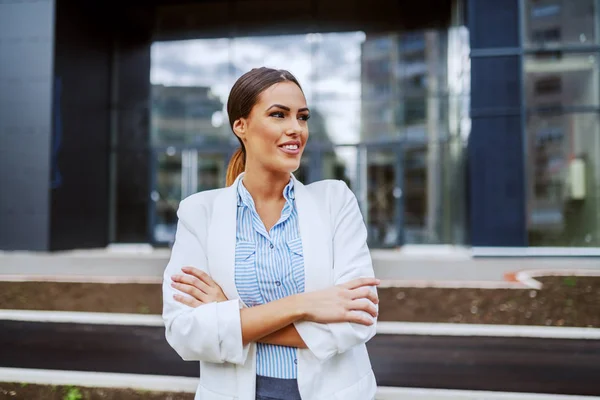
(424, 265)
(473, 363)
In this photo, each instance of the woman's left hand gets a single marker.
(200, 287)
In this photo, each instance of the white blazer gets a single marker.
(336, 364)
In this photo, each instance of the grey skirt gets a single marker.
(276, 389)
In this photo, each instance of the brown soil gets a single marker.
(22, 391)
(563, 301)
(92, 297)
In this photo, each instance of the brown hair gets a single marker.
(243, 96)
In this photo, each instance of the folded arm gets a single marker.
(210, 332)
(287, 336)
(351, 260)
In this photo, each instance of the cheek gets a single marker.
(264, 138)
(267, 134)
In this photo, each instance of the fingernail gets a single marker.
(173, 284)
(176, 296)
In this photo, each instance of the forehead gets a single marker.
(284, 93)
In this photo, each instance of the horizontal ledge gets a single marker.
(76, 317)
(157, 383)
(383, 327)
(497, 112)
(522, 331)
(483, 251)
(394, 393)
(497, 52)
(161, 383)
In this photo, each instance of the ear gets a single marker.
(240, 127)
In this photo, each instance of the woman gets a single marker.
(270, 283)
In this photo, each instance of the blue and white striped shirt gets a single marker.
(268, 267)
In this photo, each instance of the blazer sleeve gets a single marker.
(211, 332)
(351, 260)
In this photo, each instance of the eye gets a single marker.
(304, 117)
(277, 114)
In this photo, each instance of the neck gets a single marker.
(265, 186)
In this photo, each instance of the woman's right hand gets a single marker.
(340, 303)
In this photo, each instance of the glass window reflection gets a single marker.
(560, 22)
(556, 142)
(379, 116)
(558, 79)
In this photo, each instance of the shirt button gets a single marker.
(295, 361)
(278, 283)
(271, 246)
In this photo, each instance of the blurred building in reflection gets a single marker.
(405, 100)
(186, 115)
(562, 96)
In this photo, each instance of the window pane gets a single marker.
(335, 122)
(563, 160)
(302, 173)
(189, 92)
(383, 193)
(553, 22)
(167, 194)
(341, 163)
(559, 79)
(211, 171)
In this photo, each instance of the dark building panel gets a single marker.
(217, 18)
(496, 85)
(82, 76)
(497, 182)
(133, 139)
(26, 40)
(493, 23)
(496, 148)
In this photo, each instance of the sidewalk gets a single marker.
(417, 264)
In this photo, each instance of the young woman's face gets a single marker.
(276, 131)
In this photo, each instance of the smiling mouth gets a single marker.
(292, 149)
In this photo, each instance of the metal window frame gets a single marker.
(522, 52)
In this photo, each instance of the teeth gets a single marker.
(291, 147)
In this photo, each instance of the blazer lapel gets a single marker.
(221, 240)
(315, 232)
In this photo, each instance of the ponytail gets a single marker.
(236, 166)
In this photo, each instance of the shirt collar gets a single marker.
(245, 199)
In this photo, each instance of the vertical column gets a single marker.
(132, 123)
(79, 209)
(496, 148)
(26, 59)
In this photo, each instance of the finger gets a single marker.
(360, 282)
(187, 301)
(191, 290)
(364, 305)
(364, 293)
(191, 280)
(359, 318)
(198, 273)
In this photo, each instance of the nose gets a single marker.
(295, 128)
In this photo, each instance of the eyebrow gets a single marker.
(287, 108)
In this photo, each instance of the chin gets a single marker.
(287, 168)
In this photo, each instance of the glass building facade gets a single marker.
(560, 70)
(385, 119)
